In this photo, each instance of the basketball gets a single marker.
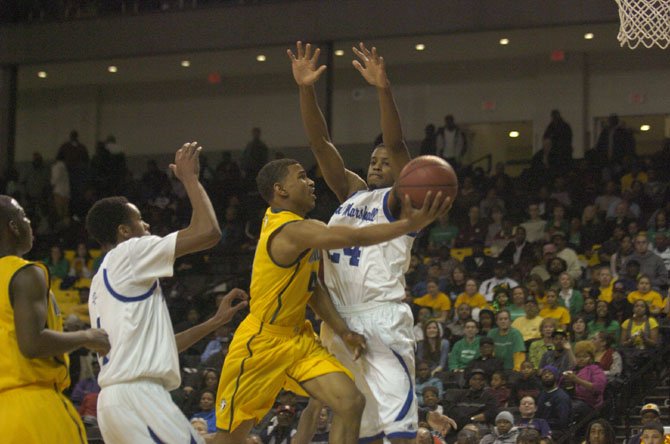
(424, 174)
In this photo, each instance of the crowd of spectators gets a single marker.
(533, 298)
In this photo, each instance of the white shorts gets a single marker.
(142, 412)
(385, 374)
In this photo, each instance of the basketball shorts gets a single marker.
(142, 412)
(262, 359)
(39, 415)
(385, 374)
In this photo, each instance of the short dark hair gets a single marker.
(104, 218)
(272, 173)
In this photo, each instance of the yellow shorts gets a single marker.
(263, 359)
(39, 415)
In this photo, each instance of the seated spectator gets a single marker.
(434, 349)
(588, 378)
(528, 409)
(474, 404)
(425, 379)
(653, 299)
(206, 410)
(222, 338)
(529, 384)
(322, 433)
(607, 357)
(436, 300)
(639, 336)
(535, 224)
(540, 346)
(486, 361)
(424, 315)
(578, 330)
(653, 433)
(474, 229)
(57, 264)
(517, 308)
(561, 357)
(463, 314)
(620, 308)
(529, 325)
(604, 322)
(553, 310)
(458, 281)
(486, 321)
(651, 264)
(569, 255)
(532, 436)
(465, 349)
(517, 249)
(568, 296)
(86, 386)
(500, 279)
(629, 276)
(478, 265)
(649, 413)
(620, 259)
(509, 345)
(504, 432)
(281, 428)
(553, 404)
(499, 389)
(605, 284)
(536, 288)
(82, 264)
(471, 296)
(600, 431)
(434, 272)
(430, 399)
(589, 310)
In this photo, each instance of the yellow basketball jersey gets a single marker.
(279, 294)
(16, 370)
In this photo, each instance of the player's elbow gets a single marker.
(29, 349)
(211, 237)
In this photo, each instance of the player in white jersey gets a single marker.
(134, 405)
(367, 284)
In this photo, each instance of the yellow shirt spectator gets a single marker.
(653, 299)
(438, 302)
(476, 300)
(553, 310)
(529, 328)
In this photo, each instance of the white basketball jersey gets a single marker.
(376, 273)
(126, 301)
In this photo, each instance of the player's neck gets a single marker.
(287, 206)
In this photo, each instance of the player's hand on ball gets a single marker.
(187, 161)
(433, 206)
(97, 341)
(227, 310)
(356, 342)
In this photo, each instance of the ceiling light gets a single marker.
(42, 74)
(420, 47)
(339, 52)
(645, 127)
(504, 41)
(112, 68)
(185, 63)
(260, 58)
(514, 134)
(588, 36)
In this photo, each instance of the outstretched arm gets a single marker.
(223, 315)
(306, 72)
(373, 69)
(203, 232)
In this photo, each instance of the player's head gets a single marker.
(284, 183)
(379, 170)
(16, 234)
(113, 219)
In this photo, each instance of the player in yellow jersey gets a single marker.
(275, 347)
(34, 360)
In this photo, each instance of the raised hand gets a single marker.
(371, 66)
(432, 208)
(187, 161)
(356, 343)
(226, 309)
(305, 65)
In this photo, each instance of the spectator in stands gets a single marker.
(254, 156)
(652, 298)
(569, 297)
(561, 357)
(614, 142)
(620, 308)
(661, 248)
(76, 158)
(154, 181)
(457, 326)
(444, 232)
(592, 230)
(600, 431)
(529, 384)
(517, 249)
(424, 315)
(430, 399)
(434, 272)
(281, 428)
(649, 413)
(474, 229)
(535, 225)
(487, 320)
(604, 322)
(471, 296)
(541, 270)
(56, 262)
(504, 432)
(322, 433)
(567, 254)
(434, 349)
(429, 142)
(86, 386)
(474, 404)
(82, 264)
(501, 299)
(553, 310)
(650, 263)
(588, 378)
(532, 436)
(605, 284)
(658, 224)
(222, 337)
(653, 433)
(517, 309)
(465, 349)
(639, 336)
(486, 361)
(499, 389)
(557, 223)
(589, 310)
(553, 404)
(490, 204)
(206, 410)
(629, 276)
(527, 420)
(541, 346)
(529, 325)
(555, 267)
(609, 196)
(458, 281)
(436, 300)
(560, 134)
(606, 357)
(611, 245)
(425, 379)
(509, 345)
(500, 278)
(451, 141)
(578, 330)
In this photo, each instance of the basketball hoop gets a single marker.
(645, 22)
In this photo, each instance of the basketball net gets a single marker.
(645, 22)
